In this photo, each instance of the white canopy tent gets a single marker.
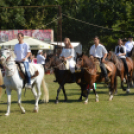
(77, 46)
(35, 44)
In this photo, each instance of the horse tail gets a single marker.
(1, 83)
(46, 92)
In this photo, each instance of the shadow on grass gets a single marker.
(125, 94)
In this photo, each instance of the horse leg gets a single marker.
(122, 82)
(8, 101)
(80, 99)
(86, 101)
(58, 91)
(96, 95)
(115, 85)
(111, 89)
(19, 101)
(64, 92)
(36, 96)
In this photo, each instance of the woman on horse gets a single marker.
(120, 51)
(68, 54)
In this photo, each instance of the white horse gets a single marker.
(13, 81)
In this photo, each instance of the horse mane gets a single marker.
(118, 61)
(88, 62)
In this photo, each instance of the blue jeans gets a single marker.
(28, 75)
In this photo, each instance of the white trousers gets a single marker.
(72, 66)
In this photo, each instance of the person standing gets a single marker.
(129, 46)
(22, 52)
(99, 51)
(40, 58)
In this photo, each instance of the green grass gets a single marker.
(72, 117)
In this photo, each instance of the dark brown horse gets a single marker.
(91, 76)
(121, 69)
(64, 76)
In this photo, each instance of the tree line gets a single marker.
(116, 16)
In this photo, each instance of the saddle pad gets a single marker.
(32, 68)
(97, 64)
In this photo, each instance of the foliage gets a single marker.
(114, 14)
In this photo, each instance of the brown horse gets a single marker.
(64, 76)
(91, 76)
(121, 69)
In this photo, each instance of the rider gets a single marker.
(99, 51)
(129, 46)
(120, 51)
(22, 52)
(68, 54)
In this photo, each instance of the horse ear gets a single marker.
(82, 54)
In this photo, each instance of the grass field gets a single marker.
(72, 117)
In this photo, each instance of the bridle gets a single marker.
(55, 65)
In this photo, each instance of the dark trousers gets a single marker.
(125, 64)
(128, 54)
(103, 68)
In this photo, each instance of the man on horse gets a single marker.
(99, 52)
(22, 52)
(129, 46)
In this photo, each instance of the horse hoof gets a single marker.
(110, 99)
(79, 99)
(128, 91)
(97, 100)
(85, 102)
(56, 102)
(7, 114)
(23, 112)
(35, 111)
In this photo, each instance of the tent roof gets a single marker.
(31, 41)
(27, 39)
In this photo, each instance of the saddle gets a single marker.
(98, 69)
(33, 70)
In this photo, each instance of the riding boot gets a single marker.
(73, 77)
(106, 79)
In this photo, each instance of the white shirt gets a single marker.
(21, 51)
(117, 53)
(40, 59)
(129, 45)
(66, 52)
(98, 51)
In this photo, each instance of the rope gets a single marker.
(84, 22)
(53, 21)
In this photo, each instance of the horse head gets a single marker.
(112, 57)
(6, 55)
(79, 60)
(84, 61)
(51, 61)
